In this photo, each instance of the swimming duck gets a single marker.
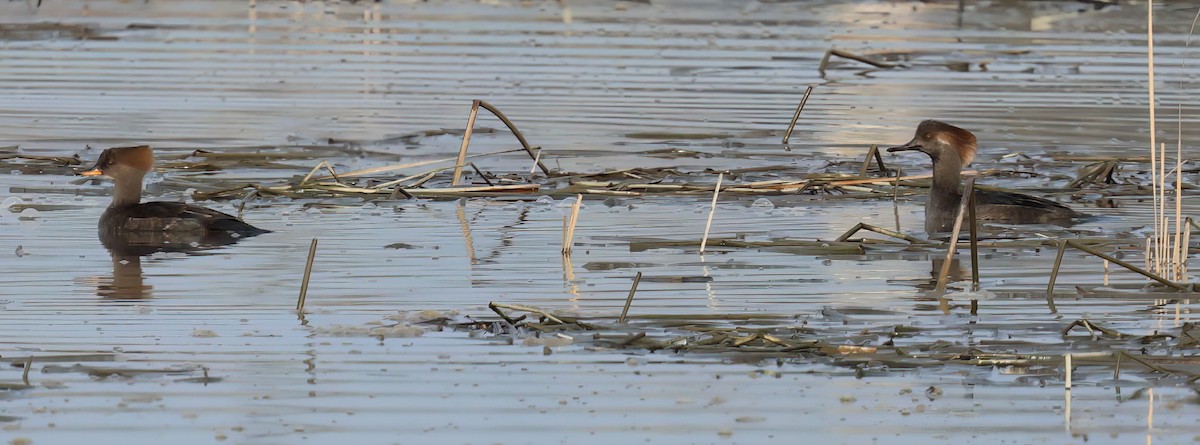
(158, 222)
(951, 149)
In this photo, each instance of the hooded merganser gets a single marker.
(951, 149)
(131, 221)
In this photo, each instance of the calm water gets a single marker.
(600, 86)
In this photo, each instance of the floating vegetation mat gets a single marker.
(839, 338)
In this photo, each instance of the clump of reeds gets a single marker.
(1167, 249)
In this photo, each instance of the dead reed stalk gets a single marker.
(795, 117)
(968, 201)
(629, 300)
(711, 211)
(466, 141)
(569, 225)
(312, 253)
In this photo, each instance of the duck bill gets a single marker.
(912, 145)
(90, 172)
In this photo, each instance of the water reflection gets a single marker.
(127, 250)
(127, 281)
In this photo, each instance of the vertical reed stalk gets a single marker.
(569, 238)
(629, 300)
(963, 209)
(312, 253)
(711, 211)
(1184, 251)
(25, 372)
(1062, 248)
(1067, 365)
(795, 117)
(1153, 143)
(537, 159)
(462, 150)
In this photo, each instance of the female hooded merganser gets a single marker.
(129, 220)
(951, 149)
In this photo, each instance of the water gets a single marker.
(600, 87)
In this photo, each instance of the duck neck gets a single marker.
(127, 190)
(944, 197)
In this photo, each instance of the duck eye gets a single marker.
(928, 136)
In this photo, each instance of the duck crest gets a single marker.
(140, 157)
(962, 140)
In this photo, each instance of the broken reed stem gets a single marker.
(879, 230)
(711, 211)
(245, 199)
(25, 372)
(400, 191)
(1126, 265)
(481, 175)
(316, 169)
(501, 313)
(1067, 365)
(466, 141)
(536, 159)
(516, 307)
(851, 56)
(873, 153)
(795, 117)
(867, 162)
(312, 253)
(520, 137)
(1117, 369)
(1062, 249)
(944, 275)
(1058, 263)
(569, 236)
(629, 300)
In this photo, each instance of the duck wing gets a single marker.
(164, 215)
(999, 198)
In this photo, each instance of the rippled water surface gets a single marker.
(599, 86)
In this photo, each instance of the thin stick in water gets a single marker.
(569, 239)
(1117, 369)
(537, 159)
(629, 300)
(873, 154)
(880, 230)
(481, 175)
(400, 191)
(974, 241)
(1067, 359)
(1126, 265)
(1153, 145)
(795, 117)
(711, 211)
(944, 275)
(851, 56)
(25, 372)
(312, 253)
(462, 150)
(1062, 248)
(1185, 250)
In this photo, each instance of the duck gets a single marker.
(129, 222)
(952, 148)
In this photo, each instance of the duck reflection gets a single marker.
(128, 248)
